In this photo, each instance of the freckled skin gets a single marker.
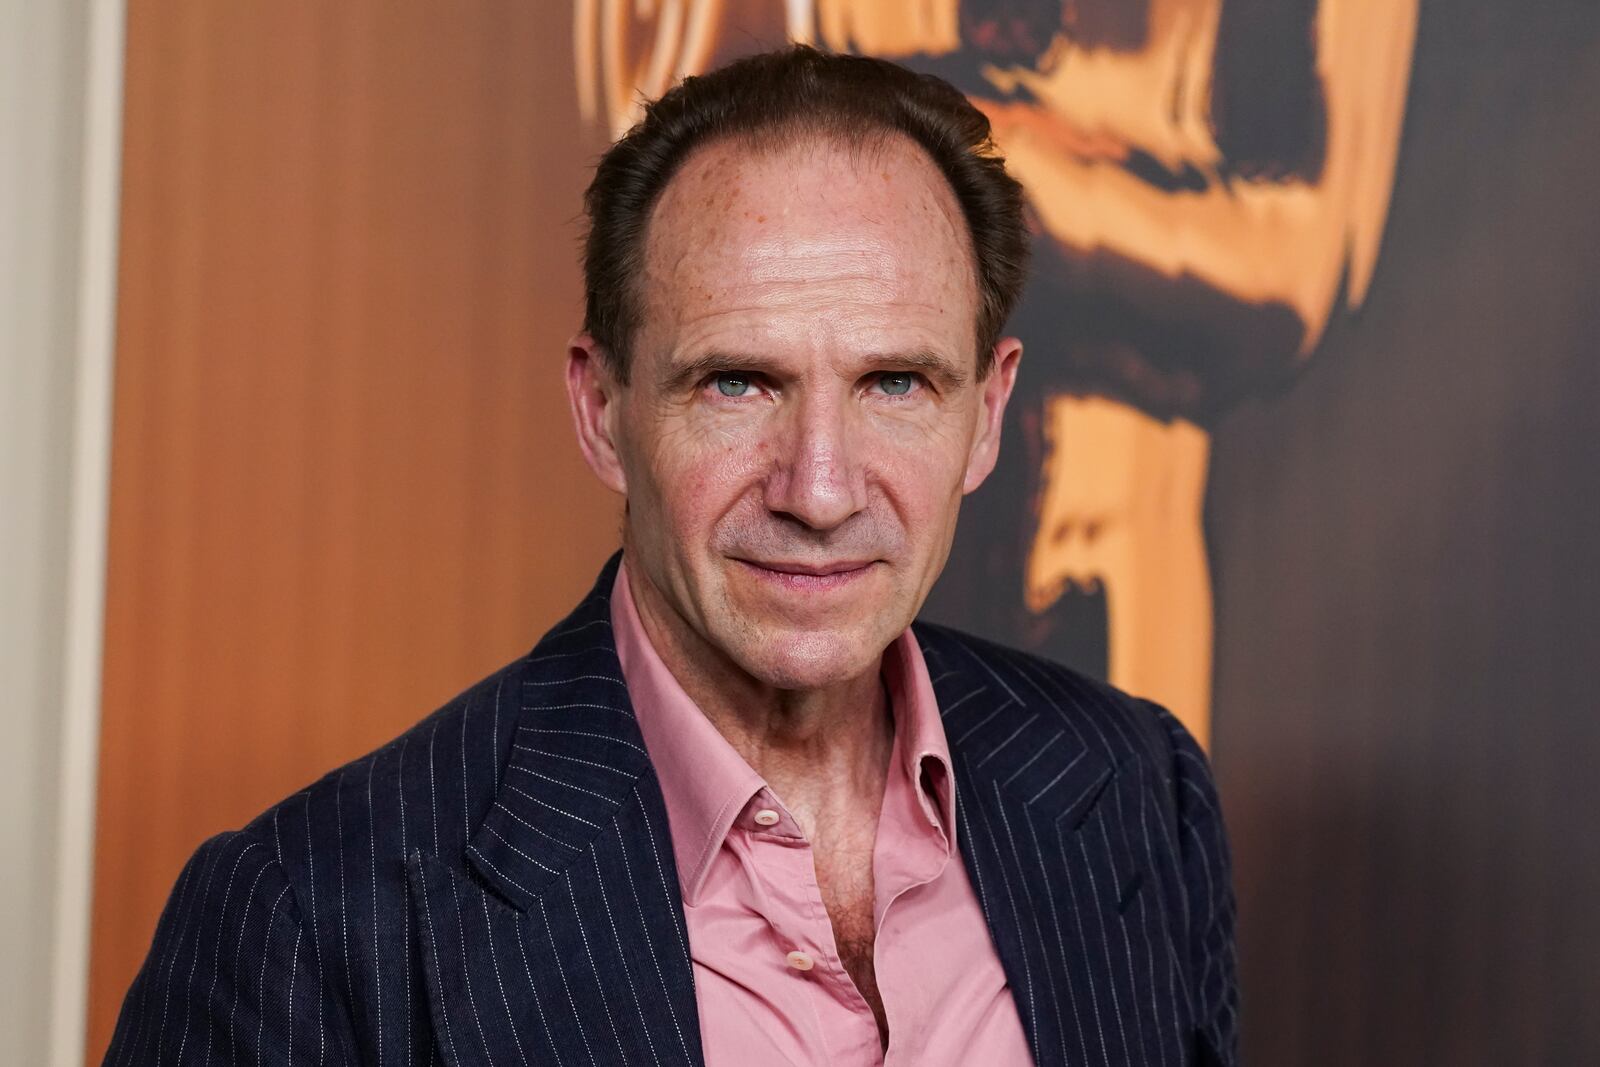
(819, 274)
(823, 281)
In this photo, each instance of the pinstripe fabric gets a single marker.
(497, 885)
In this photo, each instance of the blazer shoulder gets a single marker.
(424, 789)
(429, 788)
(1119, 725)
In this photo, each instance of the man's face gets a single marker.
(804, 411)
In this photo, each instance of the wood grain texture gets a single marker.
(348, 271)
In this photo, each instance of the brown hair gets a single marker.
(770, 98)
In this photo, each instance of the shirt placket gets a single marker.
(919, 855)
(783, 861)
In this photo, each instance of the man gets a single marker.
(735, 809)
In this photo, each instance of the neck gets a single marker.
(825, 752)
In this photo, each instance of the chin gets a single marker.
(815, 659)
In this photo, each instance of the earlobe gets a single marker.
(994, 394)
(593, 395)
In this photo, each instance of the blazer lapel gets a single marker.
(565, 943)
(561, 937)
(1048, 825)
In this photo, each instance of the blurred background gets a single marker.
(1306, 442)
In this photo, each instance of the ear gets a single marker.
(594, 394)
(996, 391)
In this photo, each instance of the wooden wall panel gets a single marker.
(343, 480)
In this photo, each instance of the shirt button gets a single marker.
(767, 817)
(799, 961)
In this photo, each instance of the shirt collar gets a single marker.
(919, 733)
(707, 785)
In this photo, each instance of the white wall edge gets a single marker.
(95, 345)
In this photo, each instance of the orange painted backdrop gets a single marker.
(343, 480)
(343, 487)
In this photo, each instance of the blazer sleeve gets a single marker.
(1208, 888)
(233, 974)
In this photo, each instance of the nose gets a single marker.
(817, 476)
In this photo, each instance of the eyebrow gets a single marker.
(705, 366)
(925, 361)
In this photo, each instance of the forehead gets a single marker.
(816, 233)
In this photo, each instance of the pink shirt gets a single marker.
(768, 979)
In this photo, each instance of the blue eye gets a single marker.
(896, 384)
(732, 384)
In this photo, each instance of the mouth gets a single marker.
(809, 577)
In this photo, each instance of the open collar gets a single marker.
(578, 754)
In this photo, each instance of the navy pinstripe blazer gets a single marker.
(497, 885)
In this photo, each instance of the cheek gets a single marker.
(929, 448)
(921, 476)
(699, 475)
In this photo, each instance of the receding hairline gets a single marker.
(864, 145)
(774, 100)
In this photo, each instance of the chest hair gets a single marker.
(844, 877)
